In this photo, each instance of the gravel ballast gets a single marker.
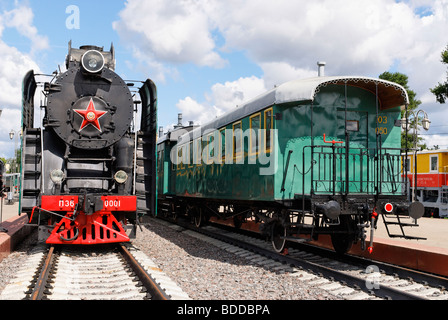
(202, 270)
(207, 272)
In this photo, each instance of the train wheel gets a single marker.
(278, 237)
(198, 219)
(342, 239)
(173, 212)
(341, 243)
(238, 221)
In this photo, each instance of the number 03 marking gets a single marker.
(382, 119)
(381, 130)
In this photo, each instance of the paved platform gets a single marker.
(430, 255)
(16, 227)
(8, 211)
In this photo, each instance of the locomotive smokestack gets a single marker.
(321, 65)
(179, 120)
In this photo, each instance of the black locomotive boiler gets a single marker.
(87, 173)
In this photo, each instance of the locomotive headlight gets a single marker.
(120, 176)
(57, 176)
(92, 61)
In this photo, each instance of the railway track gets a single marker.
(79, 273)
(347, 277)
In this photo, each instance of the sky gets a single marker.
(208, 56)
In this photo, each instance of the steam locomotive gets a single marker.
(88, 175)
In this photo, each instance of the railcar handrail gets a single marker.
(369, 171)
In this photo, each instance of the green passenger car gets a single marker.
(313, 156)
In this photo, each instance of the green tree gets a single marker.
(441, 90)
(402, 80)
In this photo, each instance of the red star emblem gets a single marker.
(90, 116)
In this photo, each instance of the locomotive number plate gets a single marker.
(119, 203)
(59, 203)
(66, 204)
(110, 203)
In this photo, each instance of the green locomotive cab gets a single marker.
(310, 157)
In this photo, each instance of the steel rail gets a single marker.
(38, 291)
(433, 280)
(157, 293)
(41, 282)
(384, 292)
(403, 272)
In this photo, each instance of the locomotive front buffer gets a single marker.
(87, 219)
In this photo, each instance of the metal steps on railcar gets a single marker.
(401, 225)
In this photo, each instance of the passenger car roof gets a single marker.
(390, 94)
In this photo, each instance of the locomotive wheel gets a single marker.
(278, 237)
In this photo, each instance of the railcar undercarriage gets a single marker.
(346, 222)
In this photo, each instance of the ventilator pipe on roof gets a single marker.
(321, 71)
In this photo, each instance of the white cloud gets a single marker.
(286, 38)
(436, 140)
(169, 31)
(21, 18)
(146, 63)
(221, 99)
(194, 111)
(276, 73)
(354, 36)
(14, 65)
(232, 93)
